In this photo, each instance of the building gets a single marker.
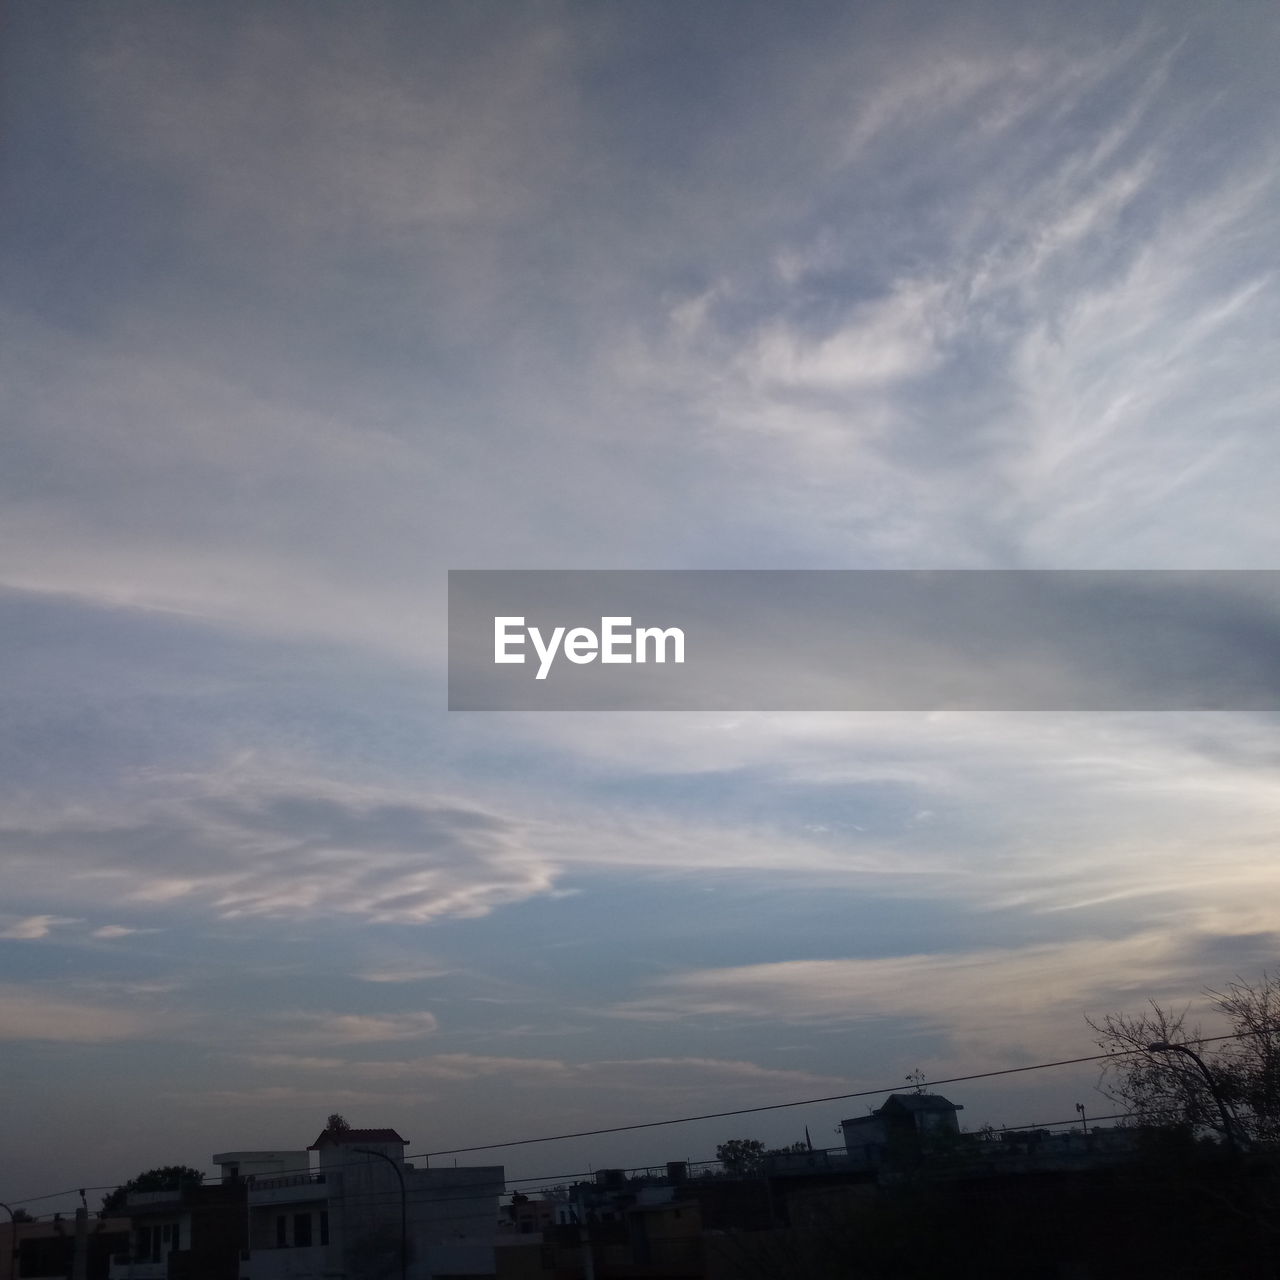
(526, 1217)
(59, 1249)
(188, 1233)
(361, 1212)
(901, 1131)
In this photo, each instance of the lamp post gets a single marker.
(404, 1219)
(1084, 1121)
(1163, 1046)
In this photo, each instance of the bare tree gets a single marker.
(1164, 1074)
(1250, 1066)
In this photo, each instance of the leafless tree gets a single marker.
(1237, 1091)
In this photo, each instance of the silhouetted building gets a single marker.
(47, 1250)
(901, 1131)
(191, 1233)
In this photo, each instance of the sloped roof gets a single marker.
(872, 1117)
(350, 1137)
(921, 1102)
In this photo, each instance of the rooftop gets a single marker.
(355, 1137)
(920, 1102)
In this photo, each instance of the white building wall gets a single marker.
(452, 1206)
(450, 1214)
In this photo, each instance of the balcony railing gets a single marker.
(286, 1180)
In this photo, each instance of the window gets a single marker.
(302, 1231)
(156, 1241)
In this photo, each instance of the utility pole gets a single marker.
(80, 1258)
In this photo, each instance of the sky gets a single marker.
(304, 305)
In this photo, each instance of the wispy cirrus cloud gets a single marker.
(35, 927)
(427, 973)
(351, 1028)
(245, 851)
(988, 1003)
(887, 341)
(109, 932)
(653, 1074)
(1054, 345)
(438, 1066)
(34, 1012)
(1174, 814)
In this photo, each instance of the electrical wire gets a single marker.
(804, 1102)
(721, 1115)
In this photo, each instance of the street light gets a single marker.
(1163, 1046)
(404, 1220)
(1084, 1121)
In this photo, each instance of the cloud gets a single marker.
(270, 1096)
(142, 988)
(239, 849)
(988, 1002)
(351, 1028)
(294, 1062)
(31, 1013)
(35, 927)
(884, 342)
(654, 1074)
(342, 128)
(1021, 371)
(692, 1074)
(427, 973)
(1172, 815)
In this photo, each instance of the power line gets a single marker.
(746, 1111)
(808, 1102)
(720, 1115)
(70, 1191)
(552, 1181)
